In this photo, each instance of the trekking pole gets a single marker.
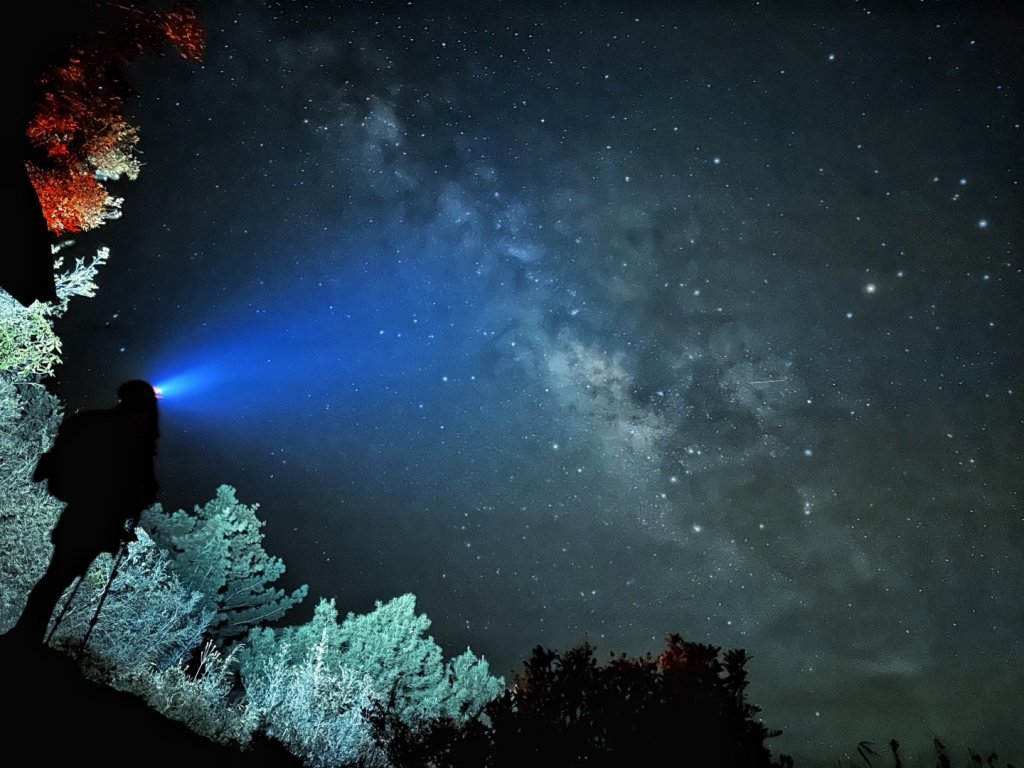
(106, 590)
(64, 610)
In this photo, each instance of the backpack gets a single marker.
(79, 459)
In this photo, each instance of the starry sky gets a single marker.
(602, 321)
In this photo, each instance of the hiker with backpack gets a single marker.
(102, 465)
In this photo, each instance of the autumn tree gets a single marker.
(79, 130)
(70, 117)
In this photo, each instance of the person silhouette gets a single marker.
(102, 465)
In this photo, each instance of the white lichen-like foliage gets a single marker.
(79, 280)
(390, 645)
(402, 669)
(148, 618)
(313, 707)
(112, 154)
(29, 351)
(29, 346)
(29, 416)
(200, 696)
(217, 550)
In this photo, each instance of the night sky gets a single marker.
(602, 321)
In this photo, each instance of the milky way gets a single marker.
(584, 323)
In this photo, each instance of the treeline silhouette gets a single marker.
(687, 704)
(566, 709)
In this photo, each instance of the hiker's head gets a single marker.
(137, 394)
(139, 398)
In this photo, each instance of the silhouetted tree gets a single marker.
(941, 754)
(895, 747)
(565, 709)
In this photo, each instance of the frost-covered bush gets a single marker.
(148, 618)
(29, 345)
(315, 709)
(30, 350)
(28, 420)
(381, 661)
(217, 551)
(201, 695)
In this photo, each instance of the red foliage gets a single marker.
(71, 201)
(77, 104)
(182, 27)
(80, 111)
(53, 129)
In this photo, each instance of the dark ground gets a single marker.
(54, 716)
